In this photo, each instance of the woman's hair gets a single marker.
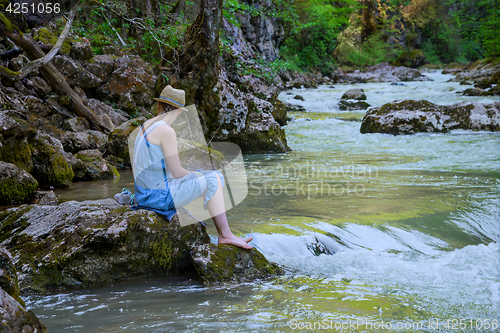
(164, 108)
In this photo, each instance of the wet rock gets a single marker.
(483, 75)
(14, 317)
(76, 124)
(91, 165)
(8, 126)
(279, 112)
(75, 74)
(353, 105)
(299, 97)
(44, 198)
(473, 92)
(357, 94)
(222, 264)
(465, 83)
(118, 140)
(413, 59)
(81, 51)
(294, 107)
(77, 141)
(40, 86)
(89, 243)
(50, 167)
(16, 185)
(117, 162)
(408, 117)
(17, 151)
(101, 108)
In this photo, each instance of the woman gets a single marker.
(163, 187)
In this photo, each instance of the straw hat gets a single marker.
(174, 97)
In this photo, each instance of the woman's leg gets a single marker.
(218, 212)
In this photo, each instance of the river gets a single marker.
(380, 232)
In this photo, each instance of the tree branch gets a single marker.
(32, 65)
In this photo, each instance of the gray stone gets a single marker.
(81, 51)
(91, 165)
(357, 94)
(19, 62)
(294, 107)
(299, 97)
(75, 74)
(40, 85)
(101, 108)
(44, 198)
(408, 117)
(353, 105)
(100, 65)
(76, 124)
(83, 140)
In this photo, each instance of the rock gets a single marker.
(294, 107)
(76, 124)
(299, 97)
(483, 75)
(101, 109)
(88, 243)
(240, 47)
(91, 165)
(81, 51)
(194, 156)
(117, 162)
(357, 94)
(413, 59)
(53, 103)
(408, 117)
(16, 185)
(279, 112)
(44, 198)
(37, 106)
(473, 92)
(382, 72)
(83, 140)
(263, 31)
(8, 126)
(14, 317)
(131, 84)
(353, 105)
(465, 83)
(222, 264)
(75, 74)
(19, 62)
(17, 151)
(118, 140)
(40, 86)
(50, 167)
(100, 65)
(247, 120)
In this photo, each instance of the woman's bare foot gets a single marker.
(236, 241)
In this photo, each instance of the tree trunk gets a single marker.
(199, 58)
(174, 13)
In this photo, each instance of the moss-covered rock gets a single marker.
(353, 105)
(408, 117)
(16, 185)
(94, 242)
(413, 59)
(91, 165)
(50, 167)
(222, 264)
(16, 150)
(13, 315)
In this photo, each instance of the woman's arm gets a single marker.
(169, 146)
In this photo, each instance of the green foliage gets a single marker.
(312, 27)
(263, 69)
(370, 52)
(232, 7)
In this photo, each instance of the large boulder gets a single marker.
(16, 185)
(50, 167)
(118, 117)
(248, 120)
(14, 317)
(94, 242)
(357, 94)
(90, 165)
(408, 117)
(222, 264)
(101, 66)
(413, 59)
(118, 139)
